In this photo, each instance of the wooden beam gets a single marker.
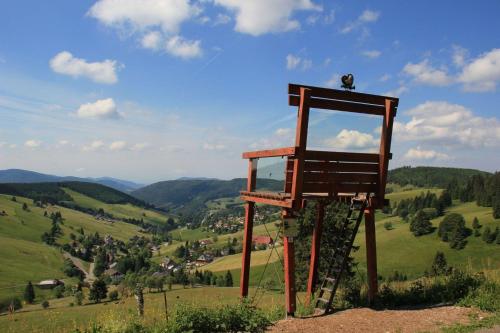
(329, 104)
(322, 177)
(247, 233)
(371, 254)
(320, 155)
(385, 147)
(301, 144)
(341, 167)
(287, 151)
(315, 250)
(294, 89)
(289, 259)
(339, 188)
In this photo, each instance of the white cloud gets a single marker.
(211, 146)
(421, 154)
(258, 17)
(152, 40)
(426, 74)
(93, 146)
(222, 19)
(448, 124)
(368, 16)
(352, 139)
(294, 62)
(371, 54)
(140, 15)
(482, 73)
(157, 22)
(283, 131)
(100, 109)
(459, 55)
(183, 48)
(118, 145)
(32, 143)
(100, 72)
(396, 92)
(385, 77)
(63, 142)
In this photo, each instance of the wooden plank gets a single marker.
(287, 151)
(329, 104)
(340, 166)
(339, 188)
(294, 89)
(340, 177)
(272, 202)
(319, 155)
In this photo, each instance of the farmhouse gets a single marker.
(49, 284)
(262, 240)
(204, 259)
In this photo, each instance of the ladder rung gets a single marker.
(324, 300)
(327, 289)
(330, 279)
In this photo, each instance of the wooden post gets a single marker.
(289, 258)
(247, 234)
(371, 253)
(165, 304)
(385, 147)
(315, 251)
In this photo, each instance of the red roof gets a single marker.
(266, 240)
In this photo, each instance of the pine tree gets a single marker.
(229, 279)
(98, 291)
(29, 293)
(420, 224)
(439, 265)
(486, 234)
(475, 223)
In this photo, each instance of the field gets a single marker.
(63, 318)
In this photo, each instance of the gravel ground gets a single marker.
(386, 321)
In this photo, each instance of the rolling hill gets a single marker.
(423, 176)
(23, 255)
(26, 176)
(192, 194)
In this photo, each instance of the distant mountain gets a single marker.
(431, 176)
(191, 194)
(26, 176)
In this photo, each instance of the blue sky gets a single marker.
(153, 90)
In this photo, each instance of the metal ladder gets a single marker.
(342, 250)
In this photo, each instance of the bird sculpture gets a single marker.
(348, 82)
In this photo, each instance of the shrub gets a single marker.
(486, 297)
(113, 295)
(45, 304)
(14, 303)
(388, 226)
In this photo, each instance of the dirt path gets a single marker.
(387, 321)
(89, 275)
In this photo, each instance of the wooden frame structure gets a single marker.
(323, 176)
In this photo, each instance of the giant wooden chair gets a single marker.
(324, 177)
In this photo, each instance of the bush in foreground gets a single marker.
(194, 319)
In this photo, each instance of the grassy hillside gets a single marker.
(54, 193)
(191, 194)
(398, 249)
(24, 257)
(119, 210)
